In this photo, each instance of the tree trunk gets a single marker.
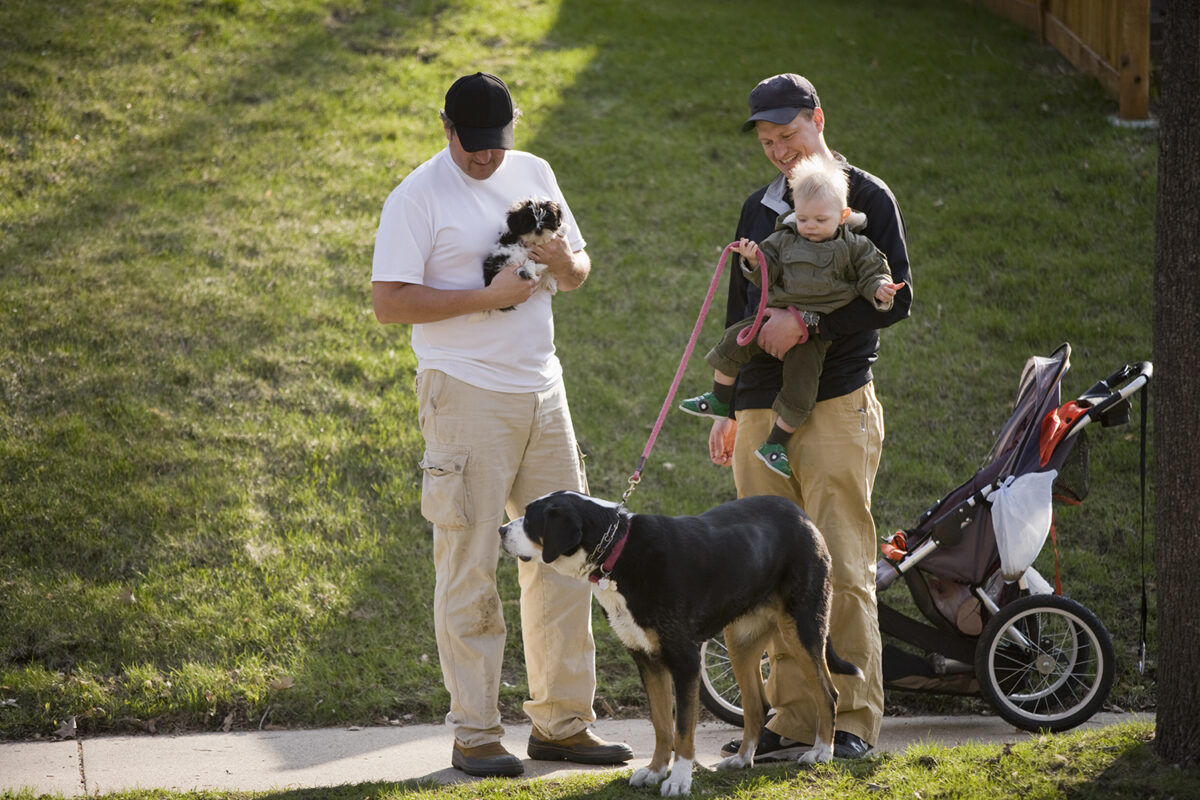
(1176, 388)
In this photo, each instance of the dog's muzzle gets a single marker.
(506, 538)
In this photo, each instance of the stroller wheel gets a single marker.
(1045, 662)
(719, 691)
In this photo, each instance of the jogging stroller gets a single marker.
(999, 629)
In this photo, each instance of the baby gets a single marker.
(815, 263)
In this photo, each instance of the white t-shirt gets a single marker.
(436, 228)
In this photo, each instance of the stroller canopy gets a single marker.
(1016, 452)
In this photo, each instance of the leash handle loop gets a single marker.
(747, 335)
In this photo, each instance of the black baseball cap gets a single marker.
(780, 98)
(481, 109)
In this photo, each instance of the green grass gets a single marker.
(209, 498)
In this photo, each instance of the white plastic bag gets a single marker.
(1021, 517)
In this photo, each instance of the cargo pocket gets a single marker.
(444, 497)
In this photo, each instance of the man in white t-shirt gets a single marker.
(498, 434)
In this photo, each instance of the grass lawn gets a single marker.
(209, 492)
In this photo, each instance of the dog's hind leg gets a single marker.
(657, 681)
(746, 642)
(807, 637)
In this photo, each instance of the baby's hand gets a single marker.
(887, 291)
(747, 250)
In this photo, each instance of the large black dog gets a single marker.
(749, 567)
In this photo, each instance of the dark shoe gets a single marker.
(847, 745)
(771, 747)
(584, 747)
(489, 760)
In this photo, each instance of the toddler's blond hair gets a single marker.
(819, 176)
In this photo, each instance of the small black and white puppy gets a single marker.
(529, 222)
(751, 567)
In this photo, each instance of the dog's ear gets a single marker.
(521, 218)
(562, 530)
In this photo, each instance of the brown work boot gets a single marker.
(584, 747)
(489, 760)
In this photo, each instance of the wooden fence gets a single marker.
(1109, 39)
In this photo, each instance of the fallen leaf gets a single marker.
(67, 730)
(284, 682)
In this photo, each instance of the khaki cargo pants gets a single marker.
(486, 452)
(833, 456)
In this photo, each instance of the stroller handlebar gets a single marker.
(1131, 371)
(1111, 386)
(1108, 400)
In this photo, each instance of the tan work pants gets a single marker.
(833, 456)
(486, 452)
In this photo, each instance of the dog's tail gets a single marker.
(837, 664)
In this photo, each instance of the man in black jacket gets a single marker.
(835, 453)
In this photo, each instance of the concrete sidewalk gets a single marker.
(267, 760)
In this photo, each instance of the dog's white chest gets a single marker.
(632, 635)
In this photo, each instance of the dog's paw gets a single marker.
(737, 762)
(821, 753)
(680, 781)
(647, 777)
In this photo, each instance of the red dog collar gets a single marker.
(600, 576)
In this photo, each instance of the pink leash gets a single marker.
(745, 336)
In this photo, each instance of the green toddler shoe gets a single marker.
(706, 405)
(775, 457)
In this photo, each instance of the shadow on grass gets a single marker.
(172, 414)
(1137, 772)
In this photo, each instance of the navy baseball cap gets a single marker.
(780, 98)
(481, 109)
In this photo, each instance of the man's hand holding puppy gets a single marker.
(570, 268)
(510, 287)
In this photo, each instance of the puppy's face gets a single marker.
(535, 221)
(558, 529)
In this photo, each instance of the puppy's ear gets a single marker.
(521, 219)
(562, 531)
